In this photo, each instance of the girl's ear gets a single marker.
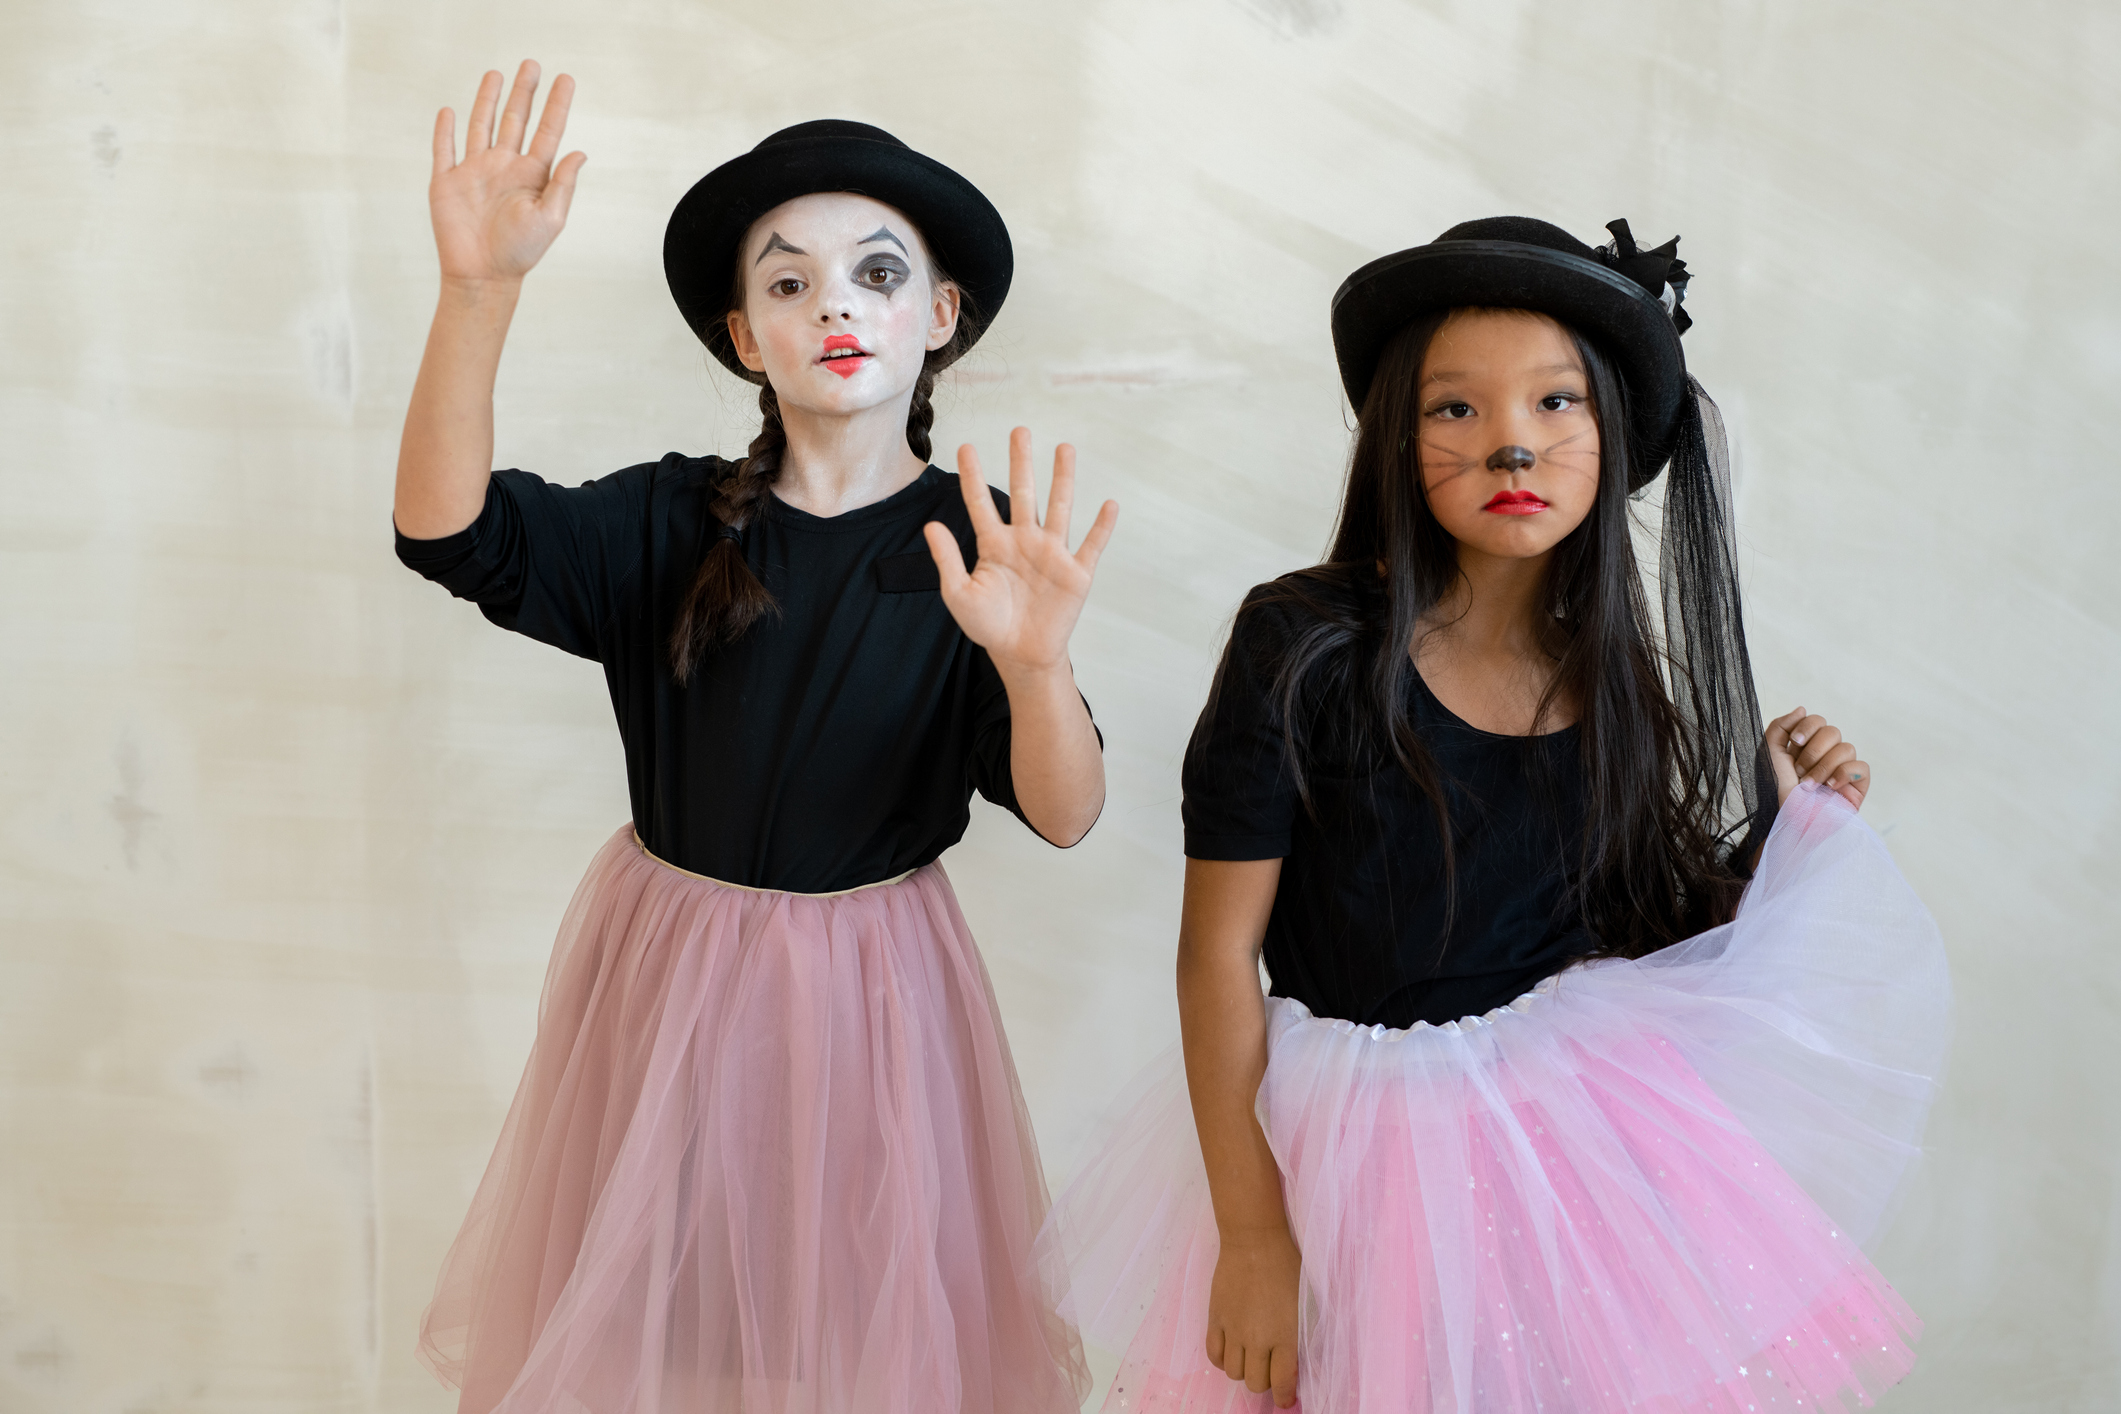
(942, 323)
(745, 342)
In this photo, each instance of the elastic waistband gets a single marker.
(1546, 987)
(746, 888)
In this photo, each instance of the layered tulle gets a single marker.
(769, 1156)
(1644, 1186)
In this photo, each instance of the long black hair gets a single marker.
(1668, 731)
(726, 598)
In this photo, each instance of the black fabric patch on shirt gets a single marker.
(908, 574)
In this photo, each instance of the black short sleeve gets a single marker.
(1239, 795)
(555, 563)
(988, 762)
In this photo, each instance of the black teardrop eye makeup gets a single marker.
(884, 273)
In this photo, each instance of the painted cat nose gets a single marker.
(1511, 459)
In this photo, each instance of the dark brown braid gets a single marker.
(726, 597)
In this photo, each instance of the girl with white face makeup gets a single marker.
(769, 1152)
(1601, 1030)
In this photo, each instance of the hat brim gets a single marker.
(959, 225)
(1626, 321)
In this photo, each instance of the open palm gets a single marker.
(499, 210)
(1021, 601)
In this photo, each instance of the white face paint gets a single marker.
(839, 306)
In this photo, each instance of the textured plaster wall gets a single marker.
(284, 832)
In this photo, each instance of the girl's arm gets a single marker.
(1056, 766)
(1252, 1300)
(1020, 603)
(495, 213)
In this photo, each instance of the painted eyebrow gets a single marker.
(883, 233)
(775, 243)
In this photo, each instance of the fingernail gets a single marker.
(1796, 738)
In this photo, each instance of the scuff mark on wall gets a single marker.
(229, 1073)
(1170, 369)
(328, 336)
(125, 807)
(48, 1356)
(371, 1210)
(1299, 18)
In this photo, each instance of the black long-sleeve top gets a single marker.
(835, 744)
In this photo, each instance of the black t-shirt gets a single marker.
(1358, 927)
(833, 745)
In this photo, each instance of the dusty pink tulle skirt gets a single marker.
(769, 1156)
(1643, 1186)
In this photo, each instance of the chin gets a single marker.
(1510, 543)
(815, 390)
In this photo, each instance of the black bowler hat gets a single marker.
(1625, 300)
(961, 227)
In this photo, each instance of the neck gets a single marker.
(841, 462)
(1494, 607)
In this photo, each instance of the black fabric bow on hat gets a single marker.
(1655, 270)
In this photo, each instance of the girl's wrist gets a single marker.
(1018, 675)
(480, 289)
(1253, 1237)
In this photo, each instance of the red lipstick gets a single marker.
(845, 355)
(1515, 503)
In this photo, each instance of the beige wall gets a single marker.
(286, 831)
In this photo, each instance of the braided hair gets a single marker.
(726, 598)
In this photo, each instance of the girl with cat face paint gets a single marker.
(1601, 1029)
(769, 1152)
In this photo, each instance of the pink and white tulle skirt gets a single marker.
(1642, 1186)
(769, 1156)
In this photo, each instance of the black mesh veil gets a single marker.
(1710, 672)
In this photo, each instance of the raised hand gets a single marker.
(1021, 601)
(499, 210)
(1804, 747)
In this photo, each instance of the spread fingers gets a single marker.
(445, 140)
(515, 118)
(552, 123)
(478, 135)
(1060, 496)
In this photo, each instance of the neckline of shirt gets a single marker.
(907, 498)
(1451, 718)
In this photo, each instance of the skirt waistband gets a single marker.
(653, 857)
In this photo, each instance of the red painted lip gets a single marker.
(845, 366)
(1515, 503)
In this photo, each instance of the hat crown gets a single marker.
(1624, 298)
(842, 128)
(1522, 230)
(960, 226)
